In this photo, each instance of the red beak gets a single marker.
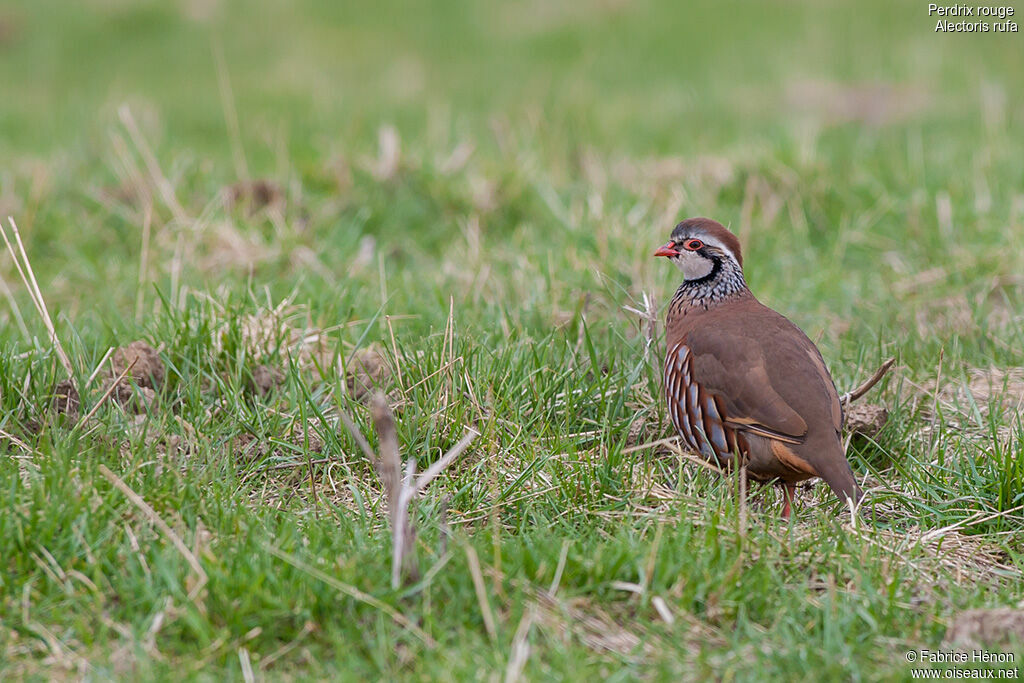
(667, 249)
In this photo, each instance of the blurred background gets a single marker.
(641, 77)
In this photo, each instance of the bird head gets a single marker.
(700, 247)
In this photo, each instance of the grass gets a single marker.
(473, 192)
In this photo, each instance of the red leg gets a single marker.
(788, 490)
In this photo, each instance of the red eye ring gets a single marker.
(693, 245)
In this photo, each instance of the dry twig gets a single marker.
(400, 489)
(864, 388)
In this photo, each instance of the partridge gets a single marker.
(744, 385)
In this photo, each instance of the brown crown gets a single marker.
(696, 227)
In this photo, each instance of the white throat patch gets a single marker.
(693, 265)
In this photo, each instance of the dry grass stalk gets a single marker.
(932, 557)
(399, 489)
(164, 528)
(140, 295)
(227, 100)
(977, 518)
(595, 629)
(662, 608)
(34, 291)
(9, 295)
(449, 344)
(447, 459)
(149, 641)
(974, 397)
(16, 441)
(265, 662)
(389, 155)
(114, 385)
(481, 593)
(394, 351)
(520, 653)
(246, 664)
(99, 366)
(157, 176)
(562, 557)
(649, 316)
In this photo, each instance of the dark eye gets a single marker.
(693, 245)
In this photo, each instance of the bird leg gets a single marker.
(787, 494)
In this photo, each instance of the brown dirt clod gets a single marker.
(247, 447)
(307, 436)
(66, 400)
(265, 378)
(637, 430)
(164, 442)
(978, 627)
(129, 193)
(148, 371)
(866, 418)
(137, 399)
(365, 370)
(256, 194)
(999, 387)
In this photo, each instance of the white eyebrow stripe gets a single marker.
(713, 242)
